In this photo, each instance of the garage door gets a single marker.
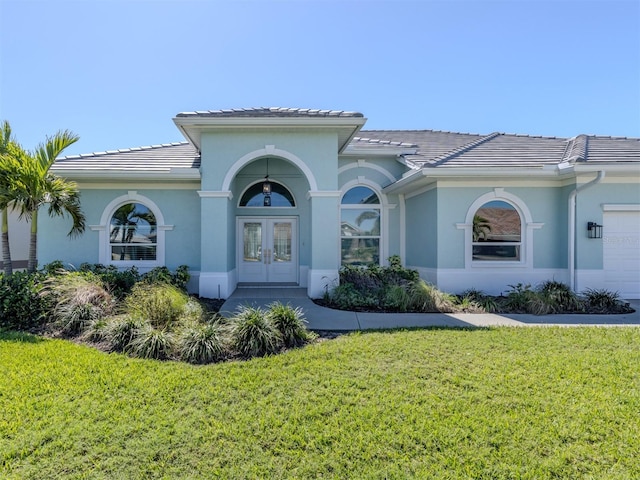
(621, 250)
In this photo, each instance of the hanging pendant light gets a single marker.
(266, 188)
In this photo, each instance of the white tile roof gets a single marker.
(270, 112)
(438, 149)
(163, 157)
(433, 149)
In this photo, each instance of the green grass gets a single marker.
(501, 403)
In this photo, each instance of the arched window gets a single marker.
(133, 234)
(280, 196)
(360, 227)
(497, 233)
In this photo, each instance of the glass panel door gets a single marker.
(267, 250)
(282, 241)
(252, 240)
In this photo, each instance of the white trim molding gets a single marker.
(268, 151)
(385, 206)
(527, 228)
(215, 194)
(324, 193)
(621, 207)
(104, 245)
(364, 164)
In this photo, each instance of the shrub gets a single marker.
(118, 282)
(519, 297)
(163, 275)
(201, 343)
(21, 306)
(396, 274)
(150, 342)
(559, 296)
(347, 297)
(485, 302)
(162, 305)
(362, 279)
(468, 305)
(602, 301)
(253, 334)
(54, 268)
(290, 323)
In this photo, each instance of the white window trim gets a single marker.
(527, 227)
(104, 253)
(384, 207)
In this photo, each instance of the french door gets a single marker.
(267, 250)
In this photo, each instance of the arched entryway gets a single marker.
(272, 239)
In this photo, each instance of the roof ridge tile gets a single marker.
(274, 111)
(464, 148)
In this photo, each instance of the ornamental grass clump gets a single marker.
(253, 334)
(427, 298)
(78, 299)
(290, 322)
(397, 298)
(121, 331)
(202, 343)
(96, 331)
(150, 342)
(162, 305)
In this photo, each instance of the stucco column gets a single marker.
(217, 247)
(325, 242)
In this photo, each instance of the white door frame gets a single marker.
(266, 270)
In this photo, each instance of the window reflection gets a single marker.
(133, 233)
(497, 232)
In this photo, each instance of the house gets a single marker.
(278, 196)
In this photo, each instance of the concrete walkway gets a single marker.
(321, 318)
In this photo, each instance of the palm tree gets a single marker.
(370, 215)
(34, 186)
(7, 147)
(481, 228)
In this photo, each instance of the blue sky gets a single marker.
(116, 72)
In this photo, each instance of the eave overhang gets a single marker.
(192, 127)
(420, 178)
(379, 150)
(151, 174)
(416, 179)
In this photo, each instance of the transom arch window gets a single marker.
(360, 216)
(253, 196)
(497, 233)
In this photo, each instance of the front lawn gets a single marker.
(499, 403)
